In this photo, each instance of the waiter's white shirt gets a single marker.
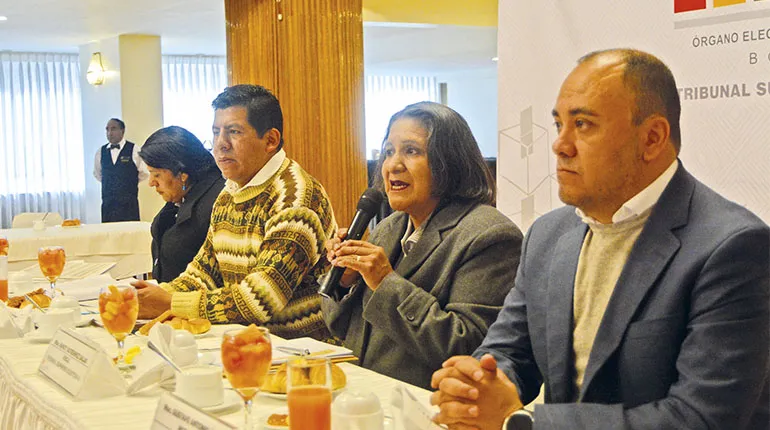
(140, 166)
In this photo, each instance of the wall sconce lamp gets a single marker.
(95, 72)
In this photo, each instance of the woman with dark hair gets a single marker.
(184, 173)
(433, 275)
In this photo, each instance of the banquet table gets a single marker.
(128, 244)
(30, 401)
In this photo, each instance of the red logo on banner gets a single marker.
(688, 5)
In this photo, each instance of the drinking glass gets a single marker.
(246, 357)
(51, 260)
(119, 307)
(309, 393)
(3, 269)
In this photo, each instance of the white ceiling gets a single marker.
(197, 27)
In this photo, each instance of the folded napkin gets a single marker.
(150, 367)
(14, 322)
(412, 414)
(8, 328)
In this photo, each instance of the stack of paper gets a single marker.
(86, 289)
(75, 269)
(305, 345)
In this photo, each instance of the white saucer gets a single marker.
(85, 320)
(35, 337)
(231, 401)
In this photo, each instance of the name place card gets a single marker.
(174, 413)
(80, 366)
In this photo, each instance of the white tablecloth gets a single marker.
(125, 243)
(29, 401)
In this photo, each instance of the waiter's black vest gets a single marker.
(120, 186)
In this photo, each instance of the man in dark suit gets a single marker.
(119, 168)
(644, 304)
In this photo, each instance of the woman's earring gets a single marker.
(184, 186)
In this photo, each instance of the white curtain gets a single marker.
(190, 84)
(41, 138)
(386, 95)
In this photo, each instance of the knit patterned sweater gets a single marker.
(262, 256)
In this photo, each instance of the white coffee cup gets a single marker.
(183, 348)
(49, 322)
(67, 302)
(38, 225)
(200, 385)
(352, 410)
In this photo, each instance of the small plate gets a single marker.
(85, 320)
(35, 337)
(231, 401)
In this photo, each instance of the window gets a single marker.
(41, 138)
(190, 84)
(386, 95)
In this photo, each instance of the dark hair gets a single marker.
(653, 86)
(176, 149)
(456, 164)
(121, 124)
(262, 107)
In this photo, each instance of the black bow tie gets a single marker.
(114, 146)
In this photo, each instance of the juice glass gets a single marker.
(309, 393)
(246, 357)
(51, 260)
(119, 307)
(3, 269)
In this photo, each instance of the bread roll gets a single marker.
(145, 330)
(38, 296)
(199, 325)
(70, 222)
(276, 382)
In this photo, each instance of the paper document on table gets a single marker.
(316, 348)
(412, 414)
(85, 289)
(75, 269)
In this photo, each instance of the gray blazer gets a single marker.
(440, 299)
(684, 341)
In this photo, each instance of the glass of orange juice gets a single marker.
(51, 260)
(309, 393)
(119, 307)
(246, 357)
(3, 269)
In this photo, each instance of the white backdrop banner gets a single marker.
(718, 50)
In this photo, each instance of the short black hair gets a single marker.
(176, 149)
(653, 86)
(262, 108)
(121, 124)
(456, 164)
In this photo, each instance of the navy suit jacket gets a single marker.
(684, 340)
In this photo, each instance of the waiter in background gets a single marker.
(119, 168)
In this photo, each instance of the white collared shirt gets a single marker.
(265, 173)
(641, 202)
(411, 236)
(143, 173)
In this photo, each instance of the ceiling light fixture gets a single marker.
(95, 72)
(494, 58)
(3, 18)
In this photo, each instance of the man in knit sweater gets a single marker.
(263, 252)
(645, 303)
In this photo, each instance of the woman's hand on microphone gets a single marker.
(350, 276)
(363, 257)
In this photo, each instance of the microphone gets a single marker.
(368, 206)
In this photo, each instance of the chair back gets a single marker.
(26, 219)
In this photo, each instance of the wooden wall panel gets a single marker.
(312, 58)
